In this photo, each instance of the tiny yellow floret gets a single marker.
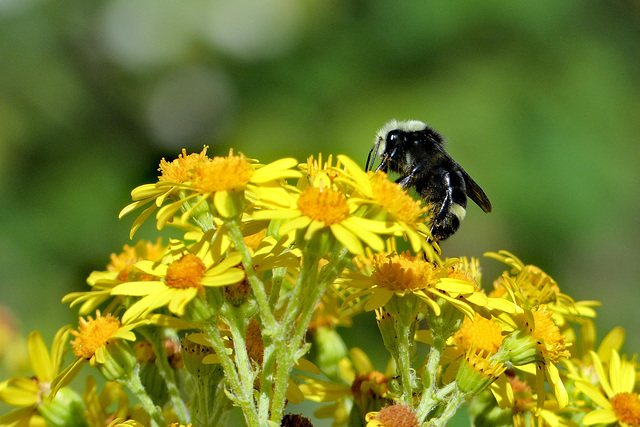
(402, 272)
(179, 170)
(323, 204)
(230, 173)
(550, 341)
(484, 335)
(186, 272)
(626, 406)
(92, 334)
(396, 200)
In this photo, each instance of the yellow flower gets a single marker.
(100, 408)
(403, 274)
(322, 208)
(614, 394)
(120, 269)
(180, 281)
(180, 169)
(536, 347)
(381, 195)
(225, 182)
(482, 335)
(535, 287)
(28, 393)
(103, 343)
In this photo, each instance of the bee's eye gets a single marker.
(393, 137)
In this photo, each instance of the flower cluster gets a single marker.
(243, 311)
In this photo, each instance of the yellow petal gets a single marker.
(600, 416)
(40, 358)
(348, 239)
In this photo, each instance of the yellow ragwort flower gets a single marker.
(180, 280)
(28, 393)
(483, 335)
(615, 394)
(403, 274)
(180, 169)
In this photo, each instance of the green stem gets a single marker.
(244, 400)
(269, 321)
(285, 345)
(242, 362)
(134, 385)
(317, 285)
(429, 399)
(403, 359)
(452, 406)
(156, 339)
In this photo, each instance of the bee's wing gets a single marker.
(473, 189)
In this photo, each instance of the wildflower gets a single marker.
(403, 274)
(483, 335)
(100, 410)
(181, 281)
(381, 194)
(119, 270)
(615, 395)
(477, 371)
(102, 343)
(536, 287)
(30, 393)
(223, 181)
(326, 211)
(536, 348)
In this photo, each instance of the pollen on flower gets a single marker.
(397, 416)
(396, 200)
(627, 408)
(323, 204)
(231, 173)
(179, 170)
(402, 272)
(92, 334)
(185, 273)
(484, 335)
(550, 341)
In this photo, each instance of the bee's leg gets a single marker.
(451, 212)
(403, 181)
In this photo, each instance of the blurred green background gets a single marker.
(540, 103)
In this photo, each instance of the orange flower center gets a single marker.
(230, 173)
(185, 273)
(397, 416)
(482, 334)
(180, 169)
(323, 204)
(92, 334)
(396, 200)
(547, 333)
(627, 408)
(402, 272)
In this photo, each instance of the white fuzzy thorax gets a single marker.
(406, 126)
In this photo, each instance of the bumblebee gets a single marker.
(416, 152)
